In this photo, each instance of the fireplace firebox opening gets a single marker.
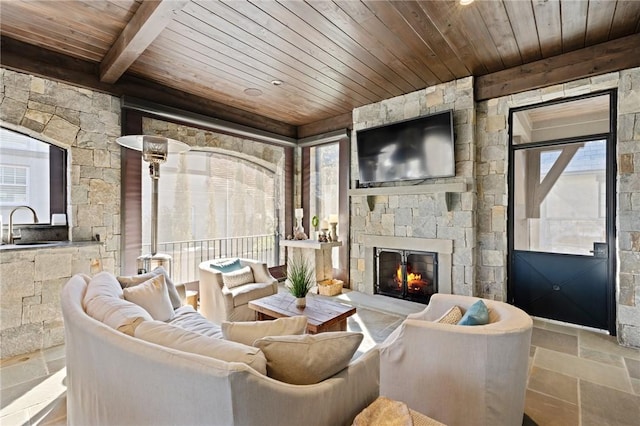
(406, 274)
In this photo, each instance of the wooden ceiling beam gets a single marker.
(599, 59)
(149, 21)
(23, 57)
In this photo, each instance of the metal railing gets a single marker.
(187, 255)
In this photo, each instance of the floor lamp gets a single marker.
(155, 150)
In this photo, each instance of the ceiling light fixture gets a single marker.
(277, 82)
(465, 2)
(252, 91)
(155, 150)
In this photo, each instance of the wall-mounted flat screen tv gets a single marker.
(419, 148)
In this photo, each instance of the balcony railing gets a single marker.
(187, 255)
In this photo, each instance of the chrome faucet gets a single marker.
(10, 238)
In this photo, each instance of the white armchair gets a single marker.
(219, 303)
(459, 375)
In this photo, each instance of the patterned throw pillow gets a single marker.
(452, 316)
(236, 278)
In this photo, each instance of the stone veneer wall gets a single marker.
(422, 215)
(492, 150)
(85, 123)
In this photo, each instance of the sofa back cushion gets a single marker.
(153, 296)
(117, 313)
(134, 280)
(247, 332)
(187, 341)
(102, 284)
(308, 358)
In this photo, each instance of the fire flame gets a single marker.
(411, 277)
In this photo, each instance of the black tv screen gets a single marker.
(419, 148)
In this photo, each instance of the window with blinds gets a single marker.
(206, 195)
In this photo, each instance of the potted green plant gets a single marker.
(300, 279)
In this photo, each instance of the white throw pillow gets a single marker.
(153, 296)
(236, 278)
(117, 313)
(309, 358)
(102, 284)
(187, 341)
(248, 332)
(133, 280)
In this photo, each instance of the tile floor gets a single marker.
(577, 376)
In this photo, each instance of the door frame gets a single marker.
(610, 179)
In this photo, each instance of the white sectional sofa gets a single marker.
(114, 378)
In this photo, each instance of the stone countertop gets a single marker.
(47, 245)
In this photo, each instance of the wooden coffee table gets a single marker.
(322, 315)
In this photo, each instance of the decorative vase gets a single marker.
(301, 302)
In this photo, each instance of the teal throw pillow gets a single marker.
(477, 314)
(226, 266)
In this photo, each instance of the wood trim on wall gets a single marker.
(588, 62)
(23, 57)
(131, 196)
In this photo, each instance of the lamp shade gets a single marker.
(154, 148)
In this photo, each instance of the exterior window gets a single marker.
(324, 179)
(14, 185)
(32, 173)
(206, 196)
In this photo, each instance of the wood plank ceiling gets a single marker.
(331, 56)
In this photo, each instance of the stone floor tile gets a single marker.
(560, 328)
(554, 384)
(602, 406)
(18, 418)
(52, 414)
(603, 357)
(605, 343)
(635, 384)
(574, 366)
(555, 341)
(548, 411)
(633, 367)
(54, 353)
(27, 368)
(36, 392)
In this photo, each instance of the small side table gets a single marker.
(192, 298)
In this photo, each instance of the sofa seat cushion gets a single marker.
(153, 296)
(134, 280)
(102, 284)
(248, 292)
(173, 337)
(308, 358)
(117, 313)
(247, 332)
(187, 318)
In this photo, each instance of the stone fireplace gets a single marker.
(406, 274)
(439, 276)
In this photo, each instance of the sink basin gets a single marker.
(35, 243)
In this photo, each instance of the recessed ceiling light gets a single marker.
(277, 82)
(465, 2)
(252, 92)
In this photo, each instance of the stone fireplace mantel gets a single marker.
(444, 249)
